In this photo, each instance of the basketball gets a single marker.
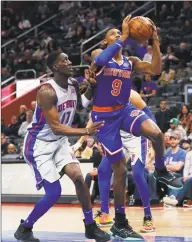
(141, 29)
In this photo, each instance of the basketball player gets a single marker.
(137, 149)
(110, 104)
(47, 149)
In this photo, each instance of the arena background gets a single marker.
(31, 30)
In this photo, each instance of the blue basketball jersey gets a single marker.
(113, 83)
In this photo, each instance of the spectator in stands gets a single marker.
(167, 136)
(4, 144)
(148, 88)
(167, 76)
(11, 149)
(24, 23)
(23, 128)
(3, 126)
(46, 38)
(182, 72)
(163, 13)
(148, 55)
(3, 61)
(42, 10)
(170, 56)
(33, 105)
(22, 114)
(40, 52)
(183, 53)
(174, 126)
(96, 158)
(13, 127)
(176, 197)
(141, 50)
(185, 118)
(86, 150)
(187, 28)
(5, 74)
(163, 116)
(186, 144)
(87, 153)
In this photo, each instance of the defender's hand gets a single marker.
(95, 127)
(92, 78)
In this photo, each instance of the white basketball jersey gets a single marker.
(66, 106)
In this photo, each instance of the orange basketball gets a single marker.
(140, 29)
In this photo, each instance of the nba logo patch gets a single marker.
(125, 64)
(73, 91)
(73, 156)
(134, 113)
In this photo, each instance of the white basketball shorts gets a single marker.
(46, 159)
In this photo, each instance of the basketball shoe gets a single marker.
(25, 234)
(122, 230)
(92, 231)
(148, 225)
(103, 219)
(168, 179)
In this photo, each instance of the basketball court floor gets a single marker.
(64, 223)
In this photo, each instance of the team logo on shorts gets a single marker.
(134, 113)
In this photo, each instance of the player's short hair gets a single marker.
(52, 59)
(113, 27)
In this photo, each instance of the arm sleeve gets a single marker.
(107, 54)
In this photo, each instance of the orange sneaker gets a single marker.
(148, 225)
(103, 219)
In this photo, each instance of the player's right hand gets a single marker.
(95, 127)
(125, 26)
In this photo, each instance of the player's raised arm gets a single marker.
(138, 102)
(153, 68)
(47, 100)
(101, 58)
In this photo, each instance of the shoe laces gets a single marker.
(98, 214)
(147, 221)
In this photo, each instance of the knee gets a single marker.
(78, 180)
(157, 135)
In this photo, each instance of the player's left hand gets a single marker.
(154, 35)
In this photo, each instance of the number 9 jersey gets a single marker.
(113, 83)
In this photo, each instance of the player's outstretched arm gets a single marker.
(47, 100)
(153, 68)
(138, 102)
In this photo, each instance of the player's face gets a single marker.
(64, 65)
(111, 36)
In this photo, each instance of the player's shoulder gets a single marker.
(46, 92)
(96, 52)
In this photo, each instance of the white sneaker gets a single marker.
(170, 200)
